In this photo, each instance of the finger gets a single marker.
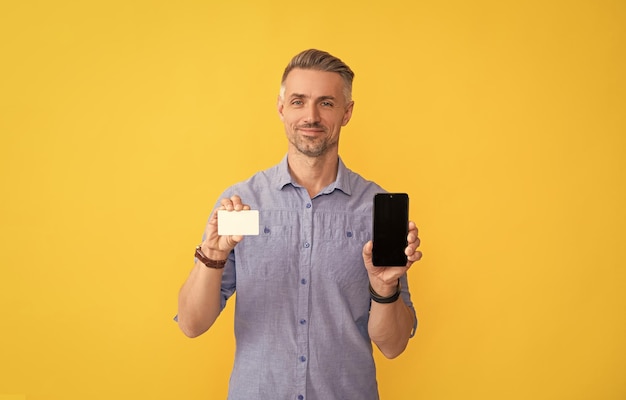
(411, 237)
(412, 253)
(237, 204)
(412, 247)
(227, 204)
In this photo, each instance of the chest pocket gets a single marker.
(339, 247)
(268, 255)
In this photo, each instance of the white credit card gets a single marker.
(244, 222)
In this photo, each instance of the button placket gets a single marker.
(304, 267)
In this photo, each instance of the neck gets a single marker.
(313, 173)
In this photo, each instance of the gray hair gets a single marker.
(321, 61)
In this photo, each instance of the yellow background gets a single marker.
(122, 121)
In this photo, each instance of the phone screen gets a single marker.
(391, 225)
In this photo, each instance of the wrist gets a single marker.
(212, 253)
(209, 262)
(384, 289)
(387, 296)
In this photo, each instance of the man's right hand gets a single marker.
(218, 247)
(199, 300)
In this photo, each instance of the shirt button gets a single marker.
(300, 397)
(302, 321)
(303, 281)
(349, 234)
(302, 358)
(308, 205)
(307, 245)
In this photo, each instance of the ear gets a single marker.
(279, 106)
(347, 114)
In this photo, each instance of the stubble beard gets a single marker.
(311, 146)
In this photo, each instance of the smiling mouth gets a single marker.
(311, 131)
(311, 128)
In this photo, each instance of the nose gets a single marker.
(312, 115)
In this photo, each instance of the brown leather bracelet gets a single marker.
(216, 264)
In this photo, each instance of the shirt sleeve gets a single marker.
(406, 297)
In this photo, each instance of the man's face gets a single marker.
(313, 109)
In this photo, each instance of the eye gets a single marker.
(296, 102)
(327, 104)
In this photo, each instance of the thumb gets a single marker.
(367, 249)
(232, 240)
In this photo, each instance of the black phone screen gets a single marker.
(391, 225)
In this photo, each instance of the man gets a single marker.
(304, 316)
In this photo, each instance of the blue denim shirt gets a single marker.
(302, 303)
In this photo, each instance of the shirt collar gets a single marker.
(283, 178)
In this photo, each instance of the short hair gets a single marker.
(321, 61)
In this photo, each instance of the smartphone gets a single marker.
(391, 227)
